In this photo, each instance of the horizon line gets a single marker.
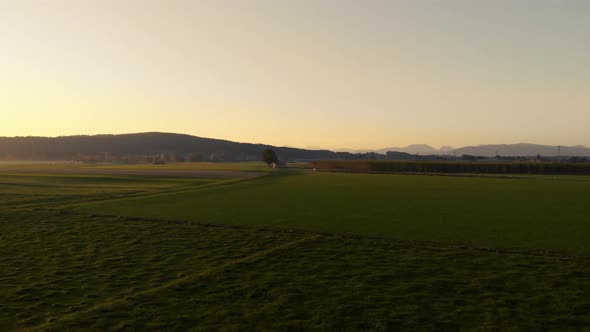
(350, 150)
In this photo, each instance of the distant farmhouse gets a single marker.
(279, 164)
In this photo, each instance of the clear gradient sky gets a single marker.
(323, 73)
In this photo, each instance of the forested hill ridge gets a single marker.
(144, 147)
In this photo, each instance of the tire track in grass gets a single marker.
(189, 188)
(75, 201)
(72, 201)
(187, 279)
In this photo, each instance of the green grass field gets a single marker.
(291, 250)
(540, 212)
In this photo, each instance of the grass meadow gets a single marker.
(537, 212)
(291, 250)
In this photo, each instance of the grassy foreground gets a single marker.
(539, 212)
(67, 266)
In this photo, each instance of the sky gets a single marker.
(325, 73)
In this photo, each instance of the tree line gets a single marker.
(517, 167)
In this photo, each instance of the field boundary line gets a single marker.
(525, 176)
(186, 279)
(406, 243)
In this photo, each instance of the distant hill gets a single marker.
(396, 155)
(178, 147)
(446, 149)
(522, 149)
(507, 150)
(423, 149)
(142, 147)
(354, 150)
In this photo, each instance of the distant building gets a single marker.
(279, 164)
(159, 160)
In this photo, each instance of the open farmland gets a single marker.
(290, 249)
(533, 212)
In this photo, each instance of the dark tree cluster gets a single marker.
(527, 167)
(269, 156)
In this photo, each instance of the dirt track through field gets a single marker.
(205, 174)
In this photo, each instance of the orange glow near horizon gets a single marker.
(326, 74)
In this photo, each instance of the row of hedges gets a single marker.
(455, 167)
